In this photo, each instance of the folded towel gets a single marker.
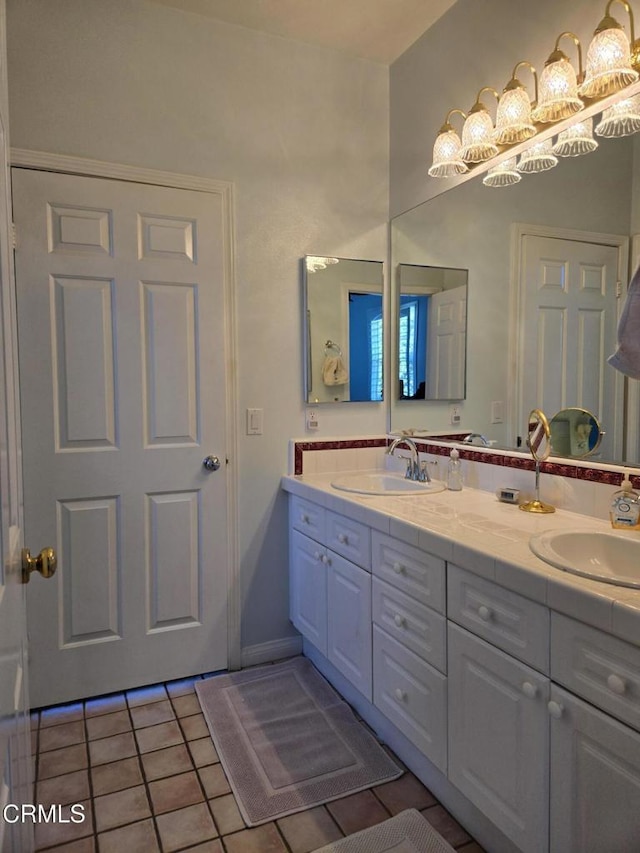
(626, 358)
(333, 371)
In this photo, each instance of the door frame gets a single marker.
(46, 162)
(519, 230)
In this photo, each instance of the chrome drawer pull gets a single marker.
(400, 694)
(616, 684)
(484, 613)
(555, 709)
(343, 539)
(398, 568)
(529, 690)
(399, 620)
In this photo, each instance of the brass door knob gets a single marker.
(46, 563)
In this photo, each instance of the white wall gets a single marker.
(474, 44)
(302, 132)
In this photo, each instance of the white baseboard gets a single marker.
(273, 650)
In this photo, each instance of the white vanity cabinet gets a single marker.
(349, 622)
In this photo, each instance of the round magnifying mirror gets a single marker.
(575, 432)
(539, 435)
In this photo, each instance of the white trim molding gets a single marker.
(273, 650)
(44, 161)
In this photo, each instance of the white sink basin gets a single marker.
(609, 557)
(384, 484)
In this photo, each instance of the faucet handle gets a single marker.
(423, 473)
(408, 474)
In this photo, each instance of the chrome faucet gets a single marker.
(469, 439)
(415, 469)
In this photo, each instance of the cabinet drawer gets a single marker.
(600, 668)
(412, 695)
(409, 569)
(349, 538)
(506, 619)
(308, 518)
(419, 628)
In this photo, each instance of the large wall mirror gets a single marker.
(432, 332)
(548, 262)
(343, 330)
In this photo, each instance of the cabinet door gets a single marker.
(595, 780)
(349, 622)
(499, 738)
(308, 589)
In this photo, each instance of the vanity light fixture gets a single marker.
(576, 140)
(447, 162)
(315, 263)
(503, 175)
(477, 132)
(612, 61)
(538, 158)
(558, 86)
(622, 119)
(513, 120)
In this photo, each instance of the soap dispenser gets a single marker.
(454, 471)
(625, 506)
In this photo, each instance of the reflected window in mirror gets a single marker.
(343, 339)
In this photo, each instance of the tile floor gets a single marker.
(146, 770)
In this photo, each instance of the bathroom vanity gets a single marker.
(511, 688)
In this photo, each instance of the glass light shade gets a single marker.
(608, 64)
(538, 158)
(446, 156)
(477, 138)
(576, 140)
(502, 175)
(513, 119)
(622, 119)
(558, 92)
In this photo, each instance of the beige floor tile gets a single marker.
(61, 761)
(59, 714)
(446, 825)
(260, 839)
(166, 762)
(121, 807)
(182, 687)
(194, 727)
(64, 790)
(105, 705)
(357, 811)
(145, 695)
(309, 830)
(82, 845)
(203, 752)
(214, 781)
(50, 834)
(186, 827)
(108, 778)
(57, 737)
(212, 846)
(159, 737)
(113, 748)
(185, 706)
(407, 792)
(107, 725)
(135, 838)
(226, 814)
(175, 792)
(152, 714)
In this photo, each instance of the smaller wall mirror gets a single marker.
(343, 339)
(432, 332)
(575, 432)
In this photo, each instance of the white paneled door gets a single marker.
(121, 322)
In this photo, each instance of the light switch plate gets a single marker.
(255, 421)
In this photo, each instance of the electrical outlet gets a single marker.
(312, 419)
(497, 412)
(454, 415)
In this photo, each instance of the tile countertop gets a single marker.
(475, 531)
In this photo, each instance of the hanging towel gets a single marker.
(626, 358)
(333, 371)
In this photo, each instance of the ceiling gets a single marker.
(379, 30)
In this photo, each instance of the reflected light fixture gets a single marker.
(576, 140)
(558, 86)
(502, 175)
(477, 132)
(513, 120)
(315, 263)
(611, 60)
(447, 162)
(538, 158)
(622, 119)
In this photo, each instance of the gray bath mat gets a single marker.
(407, 832)
(287, 741)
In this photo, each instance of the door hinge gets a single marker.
(618, 289)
